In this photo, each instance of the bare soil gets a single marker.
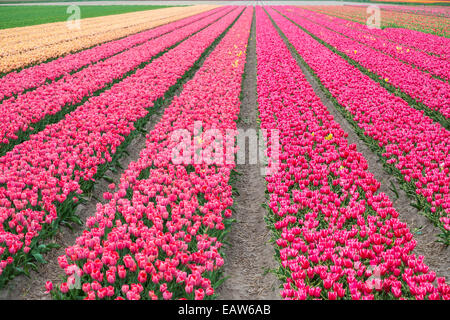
(249, 256)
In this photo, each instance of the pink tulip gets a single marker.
(64, 287)
(48, 286)
(199, 294)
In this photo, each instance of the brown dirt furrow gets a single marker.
(249, 255)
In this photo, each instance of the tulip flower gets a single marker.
(376, 39)
(35, 76)
(401, 18)
(418, 84)
(33, 106)
(98, 127)
(48, 286)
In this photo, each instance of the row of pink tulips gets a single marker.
(436, 11)
(18, 81)
(429, 43)
(337, 237)
(432, 64)
(417, 146)
(41, 175)
(159, 235)
(19, 114)
(421, 86)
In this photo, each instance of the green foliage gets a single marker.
(20, 16)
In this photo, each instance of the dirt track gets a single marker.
(250, 255)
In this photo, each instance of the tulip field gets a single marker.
(87, 144)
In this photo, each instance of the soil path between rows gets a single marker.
(436, 254)
(249, 255)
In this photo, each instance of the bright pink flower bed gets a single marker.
(336, 236)
(429, 43)
(40, 176)
(421, 86)
(417, 146)
(159, 235)
(19, 114)
(18, 81)
(422, 60)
